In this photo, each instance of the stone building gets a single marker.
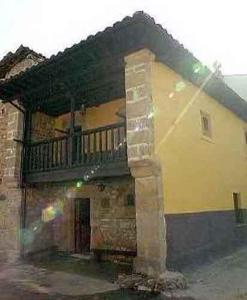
(131, 149)
(11, 121)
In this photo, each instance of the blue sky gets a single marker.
(212, 29)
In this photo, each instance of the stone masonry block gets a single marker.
(12, 118)
(139, 136)
(133, 151)
(139, 57)
(146, 186)
(138, 79)
(139, 123)
(139, 152)
(137, 93)
(139, 109)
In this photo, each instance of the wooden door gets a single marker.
(82, 225)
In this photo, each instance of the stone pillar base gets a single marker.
(150, 222)
(166, 283)
(151, 267)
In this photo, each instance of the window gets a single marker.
(206, 124)
(130, 200)
(245, 136)
(239, 216)
(2, 111)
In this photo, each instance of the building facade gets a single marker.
(130, 149)
(11, 128)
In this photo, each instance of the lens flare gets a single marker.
(171, 95)
(50, 213)
(86, 177)
(180, 86)
(79, 184)
(151, 115)
(198, 68)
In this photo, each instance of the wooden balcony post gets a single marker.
(72, 128)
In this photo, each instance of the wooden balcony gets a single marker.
(88, 155)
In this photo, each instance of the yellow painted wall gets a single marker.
(199, 174)
(104, 114)
(96, 116)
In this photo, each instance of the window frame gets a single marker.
(206, 132)
(245, 136)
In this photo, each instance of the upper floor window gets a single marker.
(206, 124)
(245, 136)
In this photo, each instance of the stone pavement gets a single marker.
(42, 280)
(29, 282)
(222, 279)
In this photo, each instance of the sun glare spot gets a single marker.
(51, 212)
(86, 177)
(79, 184)
(171, 95)
(198, 68)
(180, 86)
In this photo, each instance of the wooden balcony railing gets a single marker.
(91, 147)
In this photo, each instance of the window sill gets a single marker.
(207, 139)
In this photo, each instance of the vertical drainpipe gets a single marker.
(27, 122)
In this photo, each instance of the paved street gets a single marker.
(12, 292)
(70, 279)
(223, 279)
(64, 278)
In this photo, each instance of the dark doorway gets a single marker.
(82, 225)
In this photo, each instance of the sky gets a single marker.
(213, 30)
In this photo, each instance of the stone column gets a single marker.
(145, 168)
(11, 183)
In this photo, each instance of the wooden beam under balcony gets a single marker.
(84, 173)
